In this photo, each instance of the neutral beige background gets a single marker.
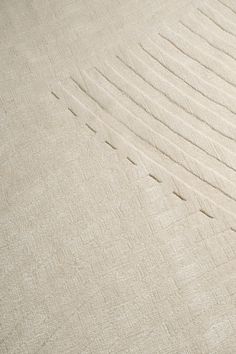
(117, 215)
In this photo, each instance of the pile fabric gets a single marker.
(118, 177)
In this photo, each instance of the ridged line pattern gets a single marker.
(175, 94)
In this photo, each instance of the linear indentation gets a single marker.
(155, 178)
(112, 146)
(197, 61)
(156, 118)
(207, 41)
(179, 196)
(87, 93)
(131, 161)
(71, 110)
(174, 160)
(186, 82)
(216, 23)
(228, 7)
(53, 93)
(206, 213)
(89, 127)
(178, 105)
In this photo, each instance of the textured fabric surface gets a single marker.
(118, 174)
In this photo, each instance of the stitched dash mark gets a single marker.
(155, 178)
(53, 93)
(112, 146)
(216, 23)
(205, 213)
(131, 161)
(197, 61)
(152, 176)
(71, 110)
(89, 127)
(207, 41)
(88, 94)
(228, 7)
(179, 196)
(187, 83)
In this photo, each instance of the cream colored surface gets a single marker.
(118, 174)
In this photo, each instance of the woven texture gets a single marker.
(118, 175)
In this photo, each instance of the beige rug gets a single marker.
(118, 175)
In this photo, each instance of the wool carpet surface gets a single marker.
(118, 176)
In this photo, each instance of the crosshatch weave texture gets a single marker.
(118, 175)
